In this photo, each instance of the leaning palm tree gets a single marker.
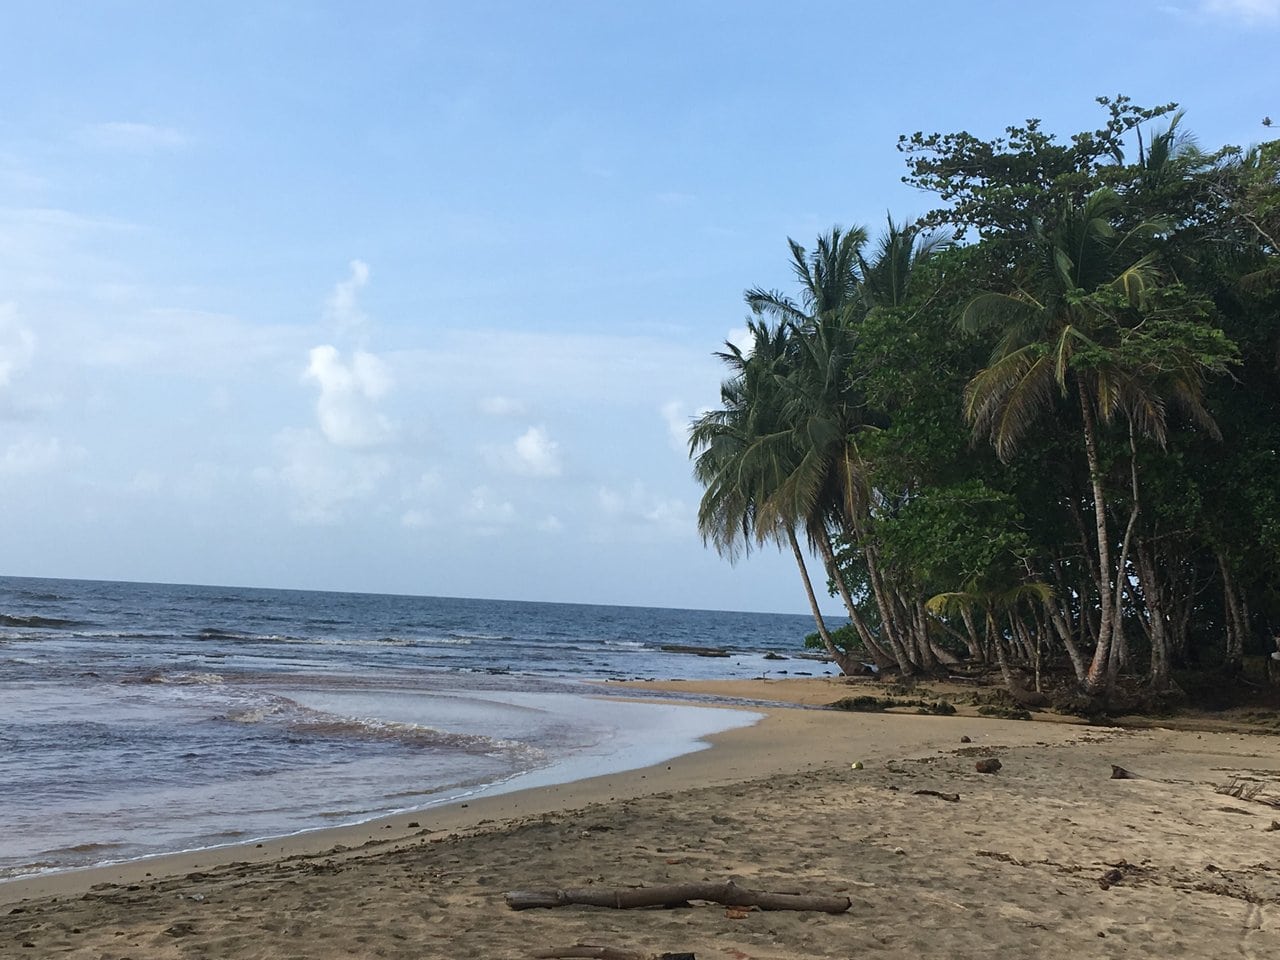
(742, 456)
(823, 411)
(1087, 319)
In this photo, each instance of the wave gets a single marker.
(217, 633)
(483, 637)
(183, 679)
(56, 623)
(40, 597)
(304, 722)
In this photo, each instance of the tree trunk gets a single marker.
(1098, 674)
(844, 663)
(1235, 620)
(1063, 630)
(919, 621)
(1159, 678)
(1016, 690)
(877, 653)
(885, 605)
(974, 642)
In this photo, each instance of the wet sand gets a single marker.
(1048, 857)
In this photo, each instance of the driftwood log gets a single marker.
(593, 952)
(673, 894)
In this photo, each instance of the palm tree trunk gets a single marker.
(1235, 620)
(843, 662)
(1120, 647)
(1159, 679)
(973, 640)
(1099, 667)
(877, 653)
(887, 620)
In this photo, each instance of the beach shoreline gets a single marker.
(776, 805)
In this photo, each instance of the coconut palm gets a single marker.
(900, 251)
(742, 455)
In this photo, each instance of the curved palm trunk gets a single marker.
(1160, 679)
(887, 620)
(879, 657)
(1096, 678)
(1236, 619)
(845, 664)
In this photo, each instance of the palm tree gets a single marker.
(900, 251)
(1086, 318)
(823, 412)
(741, 457)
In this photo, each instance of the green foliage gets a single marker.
(1065, 428)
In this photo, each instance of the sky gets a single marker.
(420, 297)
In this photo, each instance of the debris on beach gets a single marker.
(949, 797)
(988, 765)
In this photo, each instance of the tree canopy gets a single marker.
(1038, 427)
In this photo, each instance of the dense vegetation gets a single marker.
(1038, 428)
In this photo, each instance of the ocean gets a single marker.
(138, 719)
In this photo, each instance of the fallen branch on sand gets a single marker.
(949, 797)
(675, 894)
(593, 952)
(1247, 790)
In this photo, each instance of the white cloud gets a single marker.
(638, 508)
(550, 524)
(741, 338)
(677, 418)
(537, 455)
(342, 309)
(32, 456)
(532, 454)
(502, 406)
(133, 137)
(1249, 11)
(345, 407)
(321, 478)
(17, 344)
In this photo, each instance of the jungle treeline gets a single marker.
(1036, 429)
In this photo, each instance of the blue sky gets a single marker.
(418, 297)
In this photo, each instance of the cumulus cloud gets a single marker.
(498, 406)
(17, 344)
(133, 137)
(342, 309)
(550, 524)
(537, 455)
(532, 454)
(1249, 11)
(346, 408)
(321, 478)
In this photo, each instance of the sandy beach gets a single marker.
(1048, 857)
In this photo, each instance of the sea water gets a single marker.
(138, 719)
